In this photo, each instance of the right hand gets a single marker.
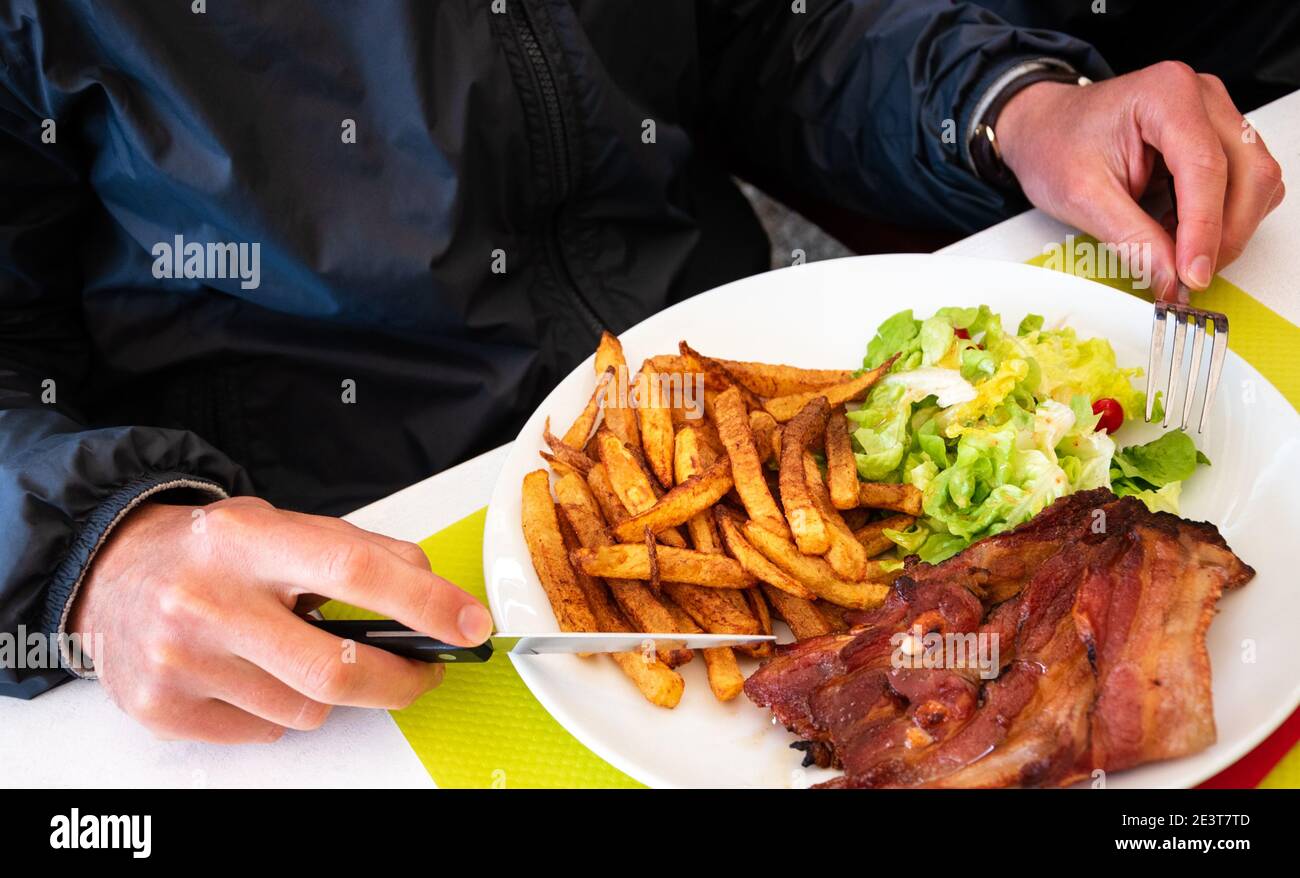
(1087, 155)
(201, 633)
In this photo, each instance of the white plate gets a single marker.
(822, 315)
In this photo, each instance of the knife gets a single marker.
(392, 636)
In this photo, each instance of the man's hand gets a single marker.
(1085, 155)
(201, 641)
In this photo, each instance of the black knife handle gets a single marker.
(413, 645)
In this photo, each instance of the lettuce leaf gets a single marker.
(881, 432)
(1172, 457)
(900, 335)
(1069, 367)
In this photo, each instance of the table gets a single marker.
(74, 736)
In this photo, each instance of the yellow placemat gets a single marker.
(482, 728)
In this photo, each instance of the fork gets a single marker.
(1198, 318)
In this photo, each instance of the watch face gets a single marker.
(987, 158)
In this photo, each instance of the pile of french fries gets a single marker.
(718, 518)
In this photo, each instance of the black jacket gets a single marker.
(422, 287)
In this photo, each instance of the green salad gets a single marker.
(992, 426)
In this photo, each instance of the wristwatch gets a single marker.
(982, 152)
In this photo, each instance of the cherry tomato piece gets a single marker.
(962, 333)
(1112, 414)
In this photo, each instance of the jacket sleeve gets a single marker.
(64, 482)
(866, 103)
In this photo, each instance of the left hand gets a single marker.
(1086, 155)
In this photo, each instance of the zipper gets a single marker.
(561, 172)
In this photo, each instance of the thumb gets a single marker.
(1112, 216)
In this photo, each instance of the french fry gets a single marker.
(690, 498)
(712, 609)
(725, 678)
(630, 481)
(688, 463)
(580, 507)
(668, 363)
(557, 466)
(841, 466)
(565, 453)
(704, 533)
(814, 573)
(767, 436)
(758, 607)
(772, 379)
(716, 376)
(898, 498)
(847, 556)
(783, 408)
(603, 608)
(746, 469)
(631, 561)
(619, 418)
(550, 558)
(652, 556)
(655, 420)
(718, 610)
(603, 491)
(711, 443)
(756, 563)
(803, 616)
(632, 485)
(658, 682)
(580, 430)
(806, 522)
(872, 535)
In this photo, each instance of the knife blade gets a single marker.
(394, 637)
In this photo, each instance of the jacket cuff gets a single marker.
(68, 576)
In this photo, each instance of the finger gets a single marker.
(244, 685)
(1111, 215)
(1254, 176)
(207, 720)
(1172, 117)
(325, 668)
(408, 552)
(302, 559)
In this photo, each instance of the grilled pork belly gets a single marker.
(1099, 609)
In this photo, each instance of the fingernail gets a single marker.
(1199, 272)
(475, 623)
(1165, 283)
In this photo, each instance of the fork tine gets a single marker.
(1176, 362)
(1198, 343)
(1157, 355)
(1217, 353)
